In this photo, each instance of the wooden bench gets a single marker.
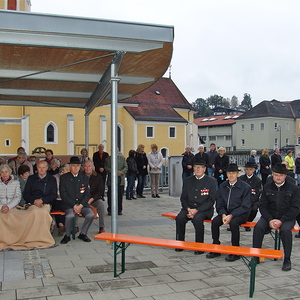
(122, 239)
(275, 234)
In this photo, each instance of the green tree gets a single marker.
(246, 103)
(215, 100)
(202, 108)
(234, 102)
(226, 102)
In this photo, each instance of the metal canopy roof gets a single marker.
(50, 60)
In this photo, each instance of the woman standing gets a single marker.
(265, 169)
(155, 160)
(131, 174)
(142, 163)
(221, 164)
(291, 163)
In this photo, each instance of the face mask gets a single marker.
(33, 163)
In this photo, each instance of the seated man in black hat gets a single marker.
(233, 206)
(279, 206)
(197, 200)
(75, 194)
(256, 189)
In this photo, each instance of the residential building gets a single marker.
(220, 130)
(269, 125)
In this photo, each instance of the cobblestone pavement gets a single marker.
(82, 271)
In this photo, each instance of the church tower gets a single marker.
(22, 5)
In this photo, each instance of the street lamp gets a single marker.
(279, 129)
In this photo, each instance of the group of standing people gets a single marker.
(216, 162)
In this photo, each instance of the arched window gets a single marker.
(50, 133)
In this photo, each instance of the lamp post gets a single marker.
(279, 129)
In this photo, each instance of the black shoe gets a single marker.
(65, 240)
(143, 196)
(212, 255)
(232, 257)
(84, 237)
(286, 265)
(157, 196)
(153, 196)
(198, 252)
(133, 198)
(178, 250)
(128, 198)
(247, 229)
(297, 235)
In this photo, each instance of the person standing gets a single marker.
(256, 189)
(276, 157)
(84, 156)
(155, 160)
(212, 154)
(265, 163)
(297, 168)
(201, 155)
(221, 164)
(122, 169)
(131, 174)
(187, 163)
(233, 205)
(75, 193)
(99, 158)
(142, 164)
(291, 163)
(279, 207)
(197, 201)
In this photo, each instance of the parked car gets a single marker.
(285, 148)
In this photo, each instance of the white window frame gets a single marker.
(242, 143)
(242, 127)
(262, 126)
(149, 137)
(252, 126)
(55, 133)
(172, 137)
(7, 143)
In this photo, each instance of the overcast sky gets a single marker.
(224, 47)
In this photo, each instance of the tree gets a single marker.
(234, 102)
(215, 100)
(246, 103)
(202, 108)
(226, 102)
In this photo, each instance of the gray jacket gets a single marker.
(10, 194)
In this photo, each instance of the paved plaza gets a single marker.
(82, 271)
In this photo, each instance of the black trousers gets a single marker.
(253, 212)
(120, 198)
(234, 228)
(197, 221)
(284, 233)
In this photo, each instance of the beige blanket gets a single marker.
(26, 229)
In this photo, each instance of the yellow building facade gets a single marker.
(63, 129)
(22, 5)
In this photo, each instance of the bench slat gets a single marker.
(225, 249)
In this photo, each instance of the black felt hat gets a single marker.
(233, 168)
(250, 165)
(199, 162)
(280, 168)
(74, 160)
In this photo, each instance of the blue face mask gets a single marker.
(33, 163)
